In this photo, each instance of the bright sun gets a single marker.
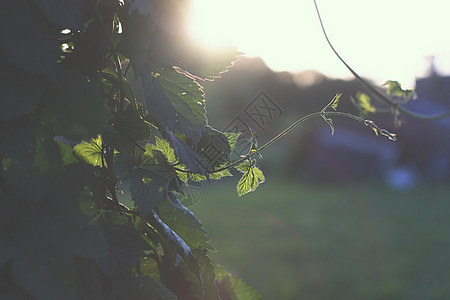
(382, 39)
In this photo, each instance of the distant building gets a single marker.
(421, 153)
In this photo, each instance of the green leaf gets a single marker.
(172, 242)
(363, 103)
(231, 287)
(67, 155)
(183, 222)
(207, 64)
(395, 89)
(130, 124)
(90, 152)
(191, 193)
(148, 266)
(232, 139)
(335, 101)
(214, 147)
(190, 57)
(210, 290)
(186, 154)
(251, 178)
(219, 175)
(187, 177)
(185, 94)
(164, 146)
(173, 100)
(148, 175)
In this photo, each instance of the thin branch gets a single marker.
(371, 88)
(322, 114)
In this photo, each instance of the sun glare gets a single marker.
(382, 39)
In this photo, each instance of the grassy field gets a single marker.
(294, 241)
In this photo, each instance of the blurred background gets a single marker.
(348, 216)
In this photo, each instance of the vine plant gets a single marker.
(394, 90)
(98, 94)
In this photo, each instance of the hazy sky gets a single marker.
(382, 39)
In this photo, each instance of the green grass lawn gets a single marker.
(294, 241)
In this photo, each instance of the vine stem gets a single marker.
(107, 34)
(322, 114)
(373, 90)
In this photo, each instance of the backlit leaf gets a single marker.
(190, 58)
(335, 101)
(232, 139)
(251, 178)
(175, 101)
(90, 152)
(66, 150)
(164, 146)
(220, 174)
(187, 155)
(395, 89)
(185, 94)
(363, 103)
(208, 65)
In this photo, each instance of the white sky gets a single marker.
(381, 40)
